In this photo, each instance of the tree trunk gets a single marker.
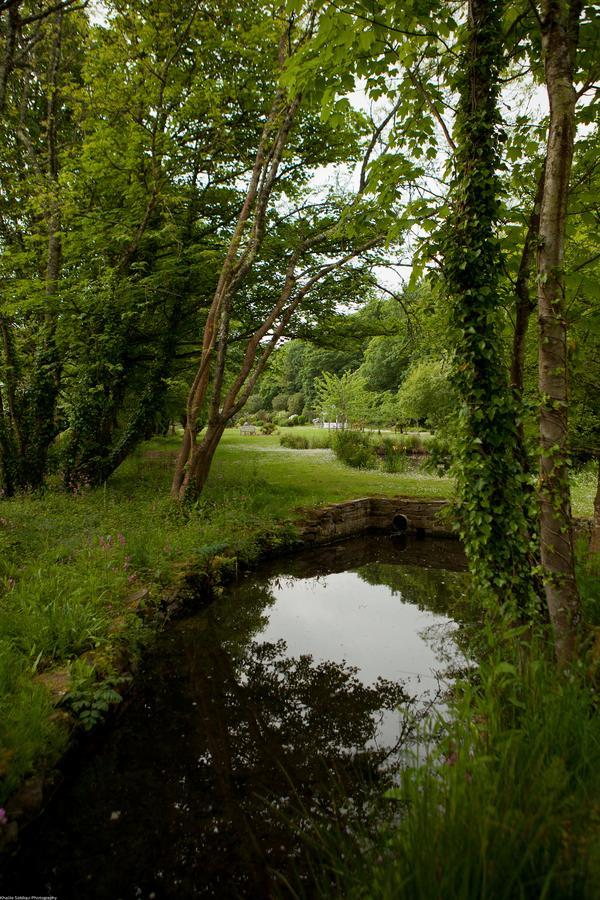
(525, 301)
(182, 459)
(196, 475)
(559, 41)
(525, 305)
(13, 21)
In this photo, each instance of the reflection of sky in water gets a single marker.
(341, 617)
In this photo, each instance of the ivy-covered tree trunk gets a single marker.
(560, 29)
(103, 434)
(490, 476)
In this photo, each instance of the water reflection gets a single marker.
(254, 719)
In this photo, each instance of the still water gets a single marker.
(282, 705)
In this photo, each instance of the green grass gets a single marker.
(296, 478)
(583, 489)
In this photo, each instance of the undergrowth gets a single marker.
(294, 441)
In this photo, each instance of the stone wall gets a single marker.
(400, 514)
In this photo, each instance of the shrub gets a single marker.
(296, 403)
(268, 428)
(280, 402)
(294, 441)
(439, 460)
(393, 455)
(412, 442)
(354, 449)
(321, 441)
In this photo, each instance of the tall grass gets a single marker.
(320, 440)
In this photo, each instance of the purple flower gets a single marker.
(3, 816)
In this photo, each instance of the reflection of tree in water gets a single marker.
(286, 745)
(231, 757)
(435, 590)
(438, 591)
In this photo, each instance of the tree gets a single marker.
(316, 247)
(426, 394)
(42, 66)
(162, 189)
(385, 362)
(343, 398)
(560, 30)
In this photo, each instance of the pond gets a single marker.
(278, 710)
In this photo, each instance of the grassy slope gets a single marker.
(69, 563)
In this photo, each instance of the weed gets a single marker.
(90, 699)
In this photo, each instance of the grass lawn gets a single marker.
(305, 478)
(69, 564)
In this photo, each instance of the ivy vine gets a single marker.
(492, 499)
